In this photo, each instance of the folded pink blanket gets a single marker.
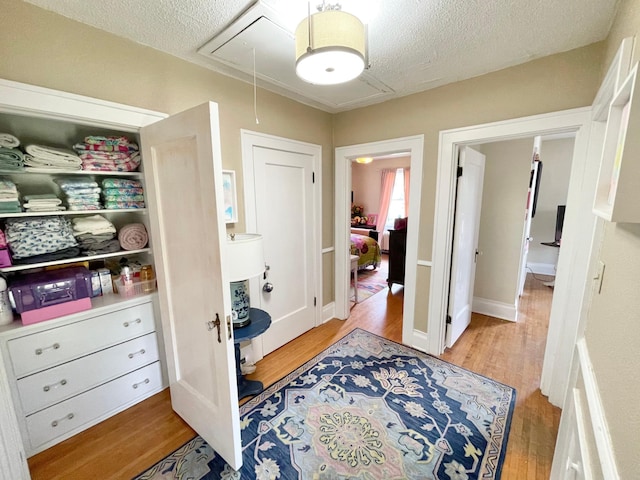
(133, 236)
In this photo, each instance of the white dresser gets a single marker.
(68, 374)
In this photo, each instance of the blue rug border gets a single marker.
(258, 398)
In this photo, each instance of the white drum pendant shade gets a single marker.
(335, 51)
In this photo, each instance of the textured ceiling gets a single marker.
(414, 45)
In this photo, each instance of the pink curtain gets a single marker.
(406, 191)
(388, 177)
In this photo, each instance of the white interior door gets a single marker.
(283, 179)
(184, 171)
(533, 185)
(465, 242)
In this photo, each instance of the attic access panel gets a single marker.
(274, 48)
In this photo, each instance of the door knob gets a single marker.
(267, 287)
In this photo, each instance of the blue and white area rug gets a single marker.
(365, 408)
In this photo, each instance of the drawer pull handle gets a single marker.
(146, 380)
(137, 320)
(61, 383)
(140, 352)
(55, 423)
(40, 351)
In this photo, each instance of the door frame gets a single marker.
(250, 139)
(572, 283)
(414, 145)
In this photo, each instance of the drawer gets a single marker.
(32, 353)
(64, 381)
(72, 414)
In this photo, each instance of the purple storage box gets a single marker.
(44, 289)
(5, 258)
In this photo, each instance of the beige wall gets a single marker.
(613, 326)
(366, 184)
(504, 197)
(556, 156)
(41, 48)
(553, 83)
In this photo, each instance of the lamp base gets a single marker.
(240, 304)
(241, 323)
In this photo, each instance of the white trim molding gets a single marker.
(583, 427)
(328, 312)
(425, 263)
(542, 268)
(493, 308)
(420, 340)
(328, 250)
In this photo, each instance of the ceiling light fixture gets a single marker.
(330, 46)
(364, 160)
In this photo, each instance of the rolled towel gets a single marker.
(133, 236)
(8, 140)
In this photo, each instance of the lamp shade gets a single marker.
(334, 51)
(246, 256)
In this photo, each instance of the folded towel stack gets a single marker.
(46, 202)
(112, 154)
(5, 257)
(119, 193)
(10, 157)
(80, 194)
(9, 202)
(133, 236)
(95, 234)
(50, 158)
(36, 236)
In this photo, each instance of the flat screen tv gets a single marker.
(559, 223)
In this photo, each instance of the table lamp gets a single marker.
(246, 260)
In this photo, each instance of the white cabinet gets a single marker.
(69, 373)
(618, 188)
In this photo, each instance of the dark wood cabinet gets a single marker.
(397, 255)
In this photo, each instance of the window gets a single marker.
(396, 205)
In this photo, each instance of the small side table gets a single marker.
(354, 269)
(260, 322)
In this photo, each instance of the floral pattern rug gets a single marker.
(365, 408)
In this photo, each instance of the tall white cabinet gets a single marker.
(61, 376)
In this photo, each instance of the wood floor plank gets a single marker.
(512, 353)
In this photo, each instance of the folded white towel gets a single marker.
(8, 140)
(43, 208)
(53, 156)
(94, 224)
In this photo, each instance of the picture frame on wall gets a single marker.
(230, 196)
(372, 219)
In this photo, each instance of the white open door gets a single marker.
(533, 187)
(184, 191)
(465, 242)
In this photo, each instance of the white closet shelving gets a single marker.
(69, 373)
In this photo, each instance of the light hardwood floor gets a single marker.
(512, 353)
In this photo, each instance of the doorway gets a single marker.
(579, 228)
(343, 157)
(503, 238)
(282, 185)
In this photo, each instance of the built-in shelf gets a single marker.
(64, 173)
(72, 212)
(121, 253)
(617, 196)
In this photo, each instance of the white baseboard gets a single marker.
(328, 312)
(420, 341)
(542, 268)
(505, 311)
